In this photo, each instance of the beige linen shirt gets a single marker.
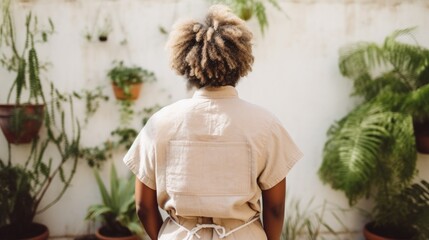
(210, 156)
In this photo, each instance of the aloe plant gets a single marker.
(117, 212)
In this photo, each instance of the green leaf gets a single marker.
(135, 228)
(128, 205)
(20, 79)
(103, 191)
(114, 181)
(96, 211)
(35, 84)
(62, 177)
(45, 169)
(356, 148)
(261, 16)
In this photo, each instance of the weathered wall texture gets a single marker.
(295, 74)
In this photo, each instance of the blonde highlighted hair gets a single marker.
(215, 53)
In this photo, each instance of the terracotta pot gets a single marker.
(134, 92)
(100, 236)
(421, 132)
(36, 232)
(86, 237)
(25, 128)
(376, 233)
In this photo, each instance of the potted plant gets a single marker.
(127, 80)
(16, 196)
(20, 122)
(24, 185)
(117, 212)
(371, 152)
(246, 9)
(52, 156)
(105, 30)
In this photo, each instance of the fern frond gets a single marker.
(261, 16)
(417, 104)
(356, 146)
(408, 61)
(405, 63)
(361, 58)
(400, 162)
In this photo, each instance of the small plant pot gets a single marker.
(36, 231)
(134, 92)
(421, 132)
(102, 38)
(21, 124)
(100, 235)
(371, 232)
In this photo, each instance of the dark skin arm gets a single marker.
(147, 209)
(273, 201)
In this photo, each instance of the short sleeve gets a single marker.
(281, 155)
(140, 158)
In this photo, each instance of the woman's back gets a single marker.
(209, 159)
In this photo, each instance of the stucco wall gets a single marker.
(295, 75)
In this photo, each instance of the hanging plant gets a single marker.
(246, 9)
(20, 122)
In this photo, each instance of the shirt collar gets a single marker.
(216, 92)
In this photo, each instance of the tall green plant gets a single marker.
(117, 211)
(371, 152)
(51, 158)
(24, 61)
(53, 155)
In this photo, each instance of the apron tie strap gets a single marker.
(220, 230)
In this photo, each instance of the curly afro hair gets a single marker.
(215, 53)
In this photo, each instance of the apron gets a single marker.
(211, 229)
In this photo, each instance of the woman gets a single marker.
(208, 160)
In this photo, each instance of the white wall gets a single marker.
(295, 74)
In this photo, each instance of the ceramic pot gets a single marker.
(134, 92)
(36, 231)
(21, 123)
(421, 132)
(100, 236)
(371, 232)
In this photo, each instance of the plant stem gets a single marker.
(9, 157)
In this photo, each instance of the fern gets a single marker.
(417, 104)
(371, 152)
(410, 205)
(404, 65)
(351, 153)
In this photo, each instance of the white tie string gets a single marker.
(220, 230)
